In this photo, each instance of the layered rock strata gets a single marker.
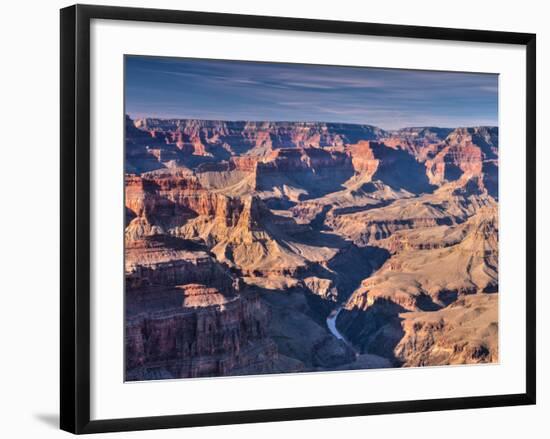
(242, 237)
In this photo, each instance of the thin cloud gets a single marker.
(235, 90)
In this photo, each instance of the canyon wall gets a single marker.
(243, 237)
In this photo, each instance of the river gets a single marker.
(331, 325)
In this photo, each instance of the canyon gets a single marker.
(256, 247)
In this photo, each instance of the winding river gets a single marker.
(331, 325)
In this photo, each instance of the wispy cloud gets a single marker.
(209, 89)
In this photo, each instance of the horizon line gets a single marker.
(314, 121)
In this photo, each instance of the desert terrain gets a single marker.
(269, 247)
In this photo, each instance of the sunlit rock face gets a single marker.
(186, 315)
(241, 239)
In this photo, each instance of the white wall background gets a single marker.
(29, 200)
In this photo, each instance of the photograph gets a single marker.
(263, 220)
(288, 218)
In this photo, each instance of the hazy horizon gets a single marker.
(181, 88)
(138, 117)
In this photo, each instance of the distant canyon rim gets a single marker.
(272, 247)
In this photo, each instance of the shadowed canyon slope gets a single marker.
(243, 237)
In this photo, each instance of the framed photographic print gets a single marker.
(267, 218)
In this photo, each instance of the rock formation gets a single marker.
(187, 317)
(242, 237)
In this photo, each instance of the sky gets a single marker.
(239, 90)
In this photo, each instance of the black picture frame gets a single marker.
(75, 217)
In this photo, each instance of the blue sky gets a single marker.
(237, 90)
